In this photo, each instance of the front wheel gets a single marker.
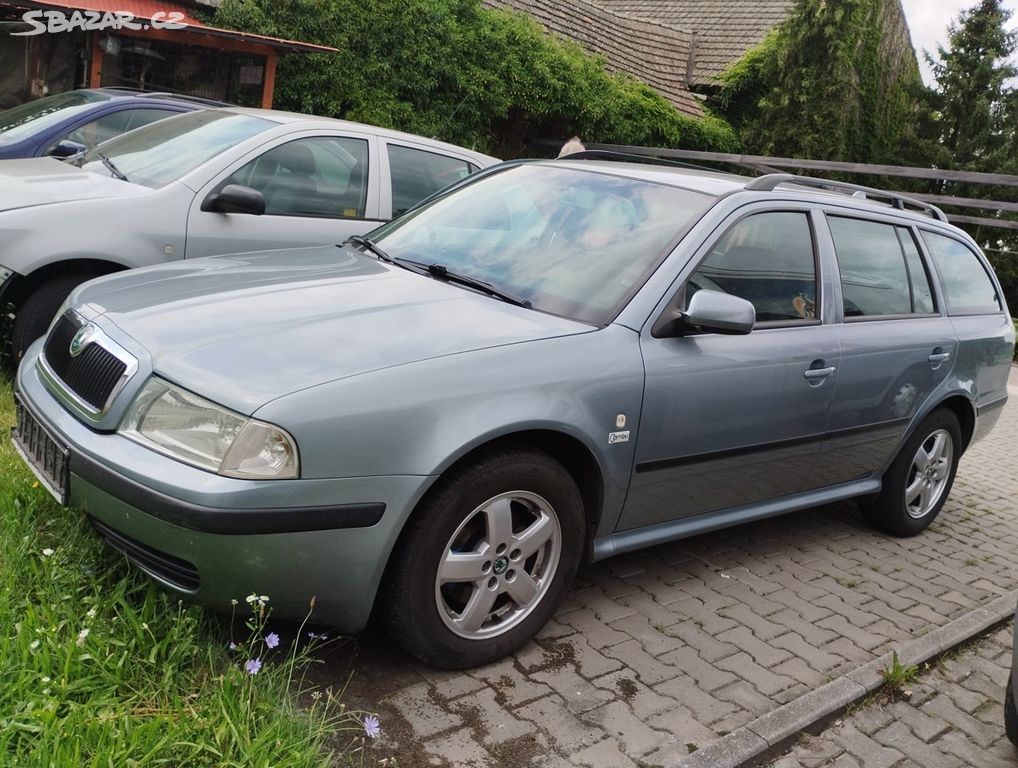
(40, 307)
(918, 482)
(484, 562)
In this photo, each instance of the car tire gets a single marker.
(37, 311)
(919, 480)
(1010, 713)
(484, 561)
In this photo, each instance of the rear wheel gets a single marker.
(918, 482)
(484, 562)
(38, 310)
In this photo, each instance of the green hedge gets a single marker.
(452, 69)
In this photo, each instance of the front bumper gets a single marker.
(214, 539)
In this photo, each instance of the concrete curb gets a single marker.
(754, 741)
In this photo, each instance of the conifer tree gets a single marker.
(971, 110)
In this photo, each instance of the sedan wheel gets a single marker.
(483, 562)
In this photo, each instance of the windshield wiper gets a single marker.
(117, 173)
(370, 245)
(443, 273)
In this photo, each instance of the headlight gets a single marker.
(177, 423)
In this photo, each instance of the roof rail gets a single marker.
(607, 154)
(770, 181)
(187, 97)
(165, 95)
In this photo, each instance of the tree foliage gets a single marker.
(969, 121)
(826, 84)
(452, 69)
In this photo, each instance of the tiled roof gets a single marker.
(651, 52)
(724, 29)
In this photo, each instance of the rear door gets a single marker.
(897, 345)
(731, 421)
(319, 189)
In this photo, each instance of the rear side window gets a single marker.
(882, 273)
(922, 294)
(967, 285)
(767, 259)
(416, 174)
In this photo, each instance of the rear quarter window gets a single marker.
(968, 288)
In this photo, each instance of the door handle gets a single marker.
(818, 373)
(939, 357)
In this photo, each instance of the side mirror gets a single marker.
(710, 312)
(235, 198)
(66, 148)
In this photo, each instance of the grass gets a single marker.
(896, 677)
(100, 667)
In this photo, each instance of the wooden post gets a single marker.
(269, 82)
(95, 64)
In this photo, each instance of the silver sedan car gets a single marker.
(555, 361)
(205, 183)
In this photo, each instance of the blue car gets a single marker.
(66, 123)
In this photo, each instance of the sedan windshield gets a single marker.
(573, 242)
(27, 119)
(169, 149)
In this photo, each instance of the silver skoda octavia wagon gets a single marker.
(554, 361)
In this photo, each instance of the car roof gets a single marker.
(705, 181)
(719, 184)
(313, 121)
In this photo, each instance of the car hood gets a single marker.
(244, 330)
(45, 180)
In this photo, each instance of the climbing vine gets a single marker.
(835, 80)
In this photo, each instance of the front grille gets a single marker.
(93, 374)
(174, 571)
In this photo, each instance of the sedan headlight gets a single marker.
(184, 426)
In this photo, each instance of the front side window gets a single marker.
(166, 150)
(882, 272)
(967, 286)
(325, 176)
(416, 174)
(767, 259)
(574, 242)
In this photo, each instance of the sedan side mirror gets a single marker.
(710, 312)
(66, 148)
(235, 198)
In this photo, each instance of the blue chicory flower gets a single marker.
(253, 666)
(372, 726)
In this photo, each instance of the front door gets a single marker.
(318, 190)
(730, 421)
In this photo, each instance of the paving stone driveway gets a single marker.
(658, 653)
(953, 719)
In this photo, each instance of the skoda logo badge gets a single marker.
(81, 339)
(500, 566)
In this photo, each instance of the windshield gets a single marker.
(26, 119)
(575, 243)
(169, 149)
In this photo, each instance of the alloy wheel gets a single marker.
(498, 565)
